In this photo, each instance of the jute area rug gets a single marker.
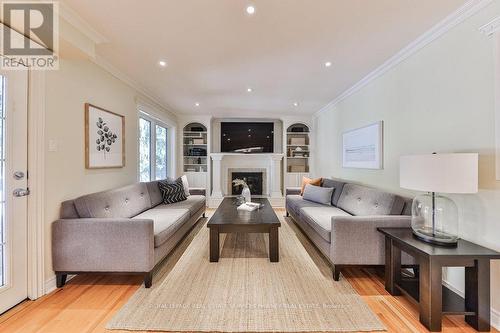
(244, 292)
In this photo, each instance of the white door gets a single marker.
(13, 187)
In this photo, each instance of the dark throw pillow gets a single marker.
(172, 191)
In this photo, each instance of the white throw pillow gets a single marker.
(185, 184)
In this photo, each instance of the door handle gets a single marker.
(21, 192)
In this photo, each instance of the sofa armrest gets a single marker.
(103, 245)
(356, 241)
(197, 191)
(292, 190)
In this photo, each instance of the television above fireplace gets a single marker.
(243, 137)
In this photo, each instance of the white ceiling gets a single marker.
(215, 51)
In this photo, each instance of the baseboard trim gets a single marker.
(51, 285)
(495, 314)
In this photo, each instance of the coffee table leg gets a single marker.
(274, 255)
(214, 244)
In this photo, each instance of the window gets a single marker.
(153, 149)
(144, 150)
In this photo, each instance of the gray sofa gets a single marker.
(125, 230)
(346, 230)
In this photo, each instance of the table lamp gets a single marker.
(434, 216)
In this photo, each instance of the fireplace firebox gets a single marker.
(254, 181)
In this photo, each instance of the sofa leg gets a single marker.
(60, 280)
(148, 279)
(204, 215)
(287, 214)
(336, 272)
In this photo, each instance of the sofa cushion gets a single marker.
(338, 186)
(126, 201)
(295, 202)
(193, 203)
(165, 222)
(362, 200)
(68, 210)
(408, 202)
(320, 219)
(154, 193)
(321, 195)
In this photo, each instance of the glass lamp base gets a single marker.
(437, 237)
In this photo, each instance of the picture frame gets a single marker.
(362, 148)
(104, 138)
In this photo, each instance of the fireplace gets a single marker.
(254, 181)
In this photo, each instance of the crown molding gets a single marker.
(72, 17)
(491, 27)
(470, 8)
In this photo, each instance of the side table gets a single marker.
(433, 298)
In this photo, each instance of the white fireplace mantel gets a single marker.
(222, 162)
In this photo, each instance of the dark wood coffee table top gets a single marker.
(228, 214)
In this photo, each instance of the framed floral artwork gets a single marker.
(104, 138)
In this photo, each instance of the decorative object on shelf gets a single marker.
(363, 147)
(198, 141)
(199, 160)
(298, 153)
(245, 193)
(298, 141)
(104, 138)
(298, 149)
(197, 152)
(435, 217)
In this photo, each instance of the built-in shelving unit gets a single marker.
(195, 148)
(297, 148)
(297, 154)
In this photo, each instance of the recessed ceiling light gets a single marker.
(249, 89)
(250, 10)
(162, 63)
(196, 104)
(328, 64)
(295, 104)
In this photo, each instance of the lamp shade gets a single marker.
(443, 173)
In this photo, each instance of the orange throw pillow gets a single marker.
(305, 181)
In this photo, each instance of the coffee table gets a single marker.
(227, 219)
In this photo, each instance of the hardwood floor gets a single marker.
(88, 302)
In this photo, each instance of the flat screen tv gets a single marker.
(247, 137)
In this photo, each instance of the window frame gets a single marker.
(154, 121)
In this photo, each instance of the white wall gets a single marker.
(441, 99)
(76, 82)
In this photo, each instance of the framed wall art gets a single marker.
(363, 147)
(104, 138)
